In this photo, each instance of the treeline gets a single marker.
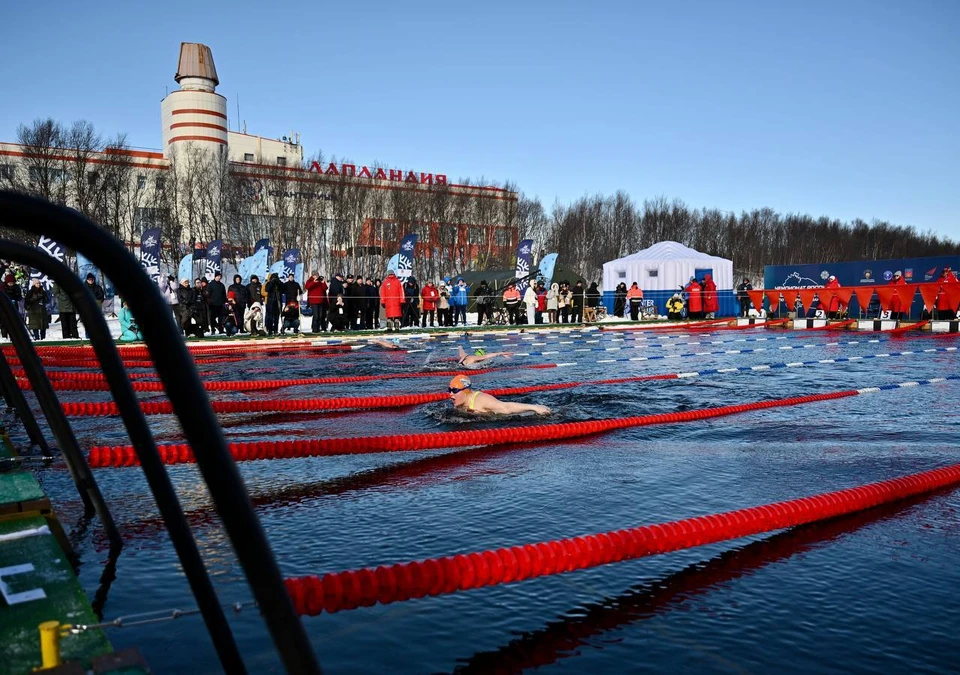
(202, 197)
(597, 229)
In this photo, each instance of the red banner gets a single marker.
(756, 297)
(806, 296)
(863, 296)
(929, 294)
(774, 298)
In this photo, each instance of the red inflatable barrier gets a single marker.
(679, 326)
(385, 584)
(124, 455)
(254, 385)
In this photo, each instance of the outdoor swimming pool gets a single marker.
(864, 592)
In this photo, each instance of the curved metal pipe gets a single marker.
(192, 406)
(157, 478)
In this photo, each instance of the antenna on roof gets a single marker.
(238, 111)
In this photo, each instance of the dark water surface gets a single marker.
(870, 592)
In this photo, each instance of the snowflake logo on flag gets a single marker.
(406, 263)
(522, 268)
(51, 248)
(214, 252)
(408, 246)
(525, 250)
(149, 242)
(291, 259)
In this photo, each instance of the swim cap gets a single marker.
(480, 351)
(458, 384)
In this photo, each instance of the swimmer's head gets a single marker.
(458, 384)
(480, 351)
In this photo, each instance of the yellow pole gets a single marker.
(50, 644)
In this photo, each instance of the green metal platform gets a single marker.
(38, 583)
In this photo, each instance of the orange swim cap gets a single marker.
(458, 384)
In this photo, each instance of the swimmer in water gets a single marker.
(386, 344)
(473, 361)
(467, 399)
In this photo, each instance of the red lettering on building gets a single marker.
(380, 175)
(348, 170)
(411, 177)
(426, 178)
(396, 174)
(364, 173)
(441, 179)
(332, 170)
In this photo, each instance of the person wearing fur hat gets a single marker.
(36, 301)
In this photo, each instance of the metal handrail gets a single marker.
(139, 432)
(190, 403)
(15, 398)
(47, 398)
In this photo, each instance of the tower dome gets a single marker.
(195, 114)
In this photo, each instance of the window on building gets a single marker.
(621, 274)
(141, 182)
(6, 171)
(390, 231)
(281, 161)
(92, 178)
(653, 273)
(448, 234)
(248, 157)
(501, 236)
(476, 235)
(160, 184)
(53, 175)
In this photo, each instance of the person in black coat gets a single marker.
(620, 299)
(291, 290)
(579, 293)
(35, 302)
(355, 298)
(254, 291)
(68, 314)
(274, 290)
(336, 287)
(95, 288)
(373, 302)
(241, 298)
(202, 309)
(217, 293)
(411, 302)
(186, 305)
(13, 291)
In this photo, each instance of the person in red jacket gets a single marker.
(830, 301)
(317, 299)
(428, 302)
(897, 306)
(711, 301)
(694, 299)
(634, 300)
(944, 311)
(391, 299)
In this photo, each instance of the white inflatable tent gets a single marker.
(664, 268)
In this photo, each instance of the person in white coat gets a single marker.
(530, 300)
(169, 290)
(253, 319)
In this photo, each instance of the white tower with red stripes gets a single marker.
(195, 114)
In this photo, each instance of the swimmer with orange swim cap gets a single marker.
(466, 398)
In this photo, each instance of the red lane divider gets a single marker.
(109, 408)
(124, 455)
(906, 329)
(254, 385)
(778, 322)
(695, 324)
(86, 351)
(385, 584)
(837, 326)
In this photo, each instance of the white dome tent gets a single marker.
(663, 268)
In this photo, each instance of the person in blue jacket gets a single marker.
(129, 331)
(458, 301)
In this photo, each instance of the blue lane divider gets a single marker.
(800, 364)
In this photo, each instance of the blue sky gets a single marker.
(846, 108)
